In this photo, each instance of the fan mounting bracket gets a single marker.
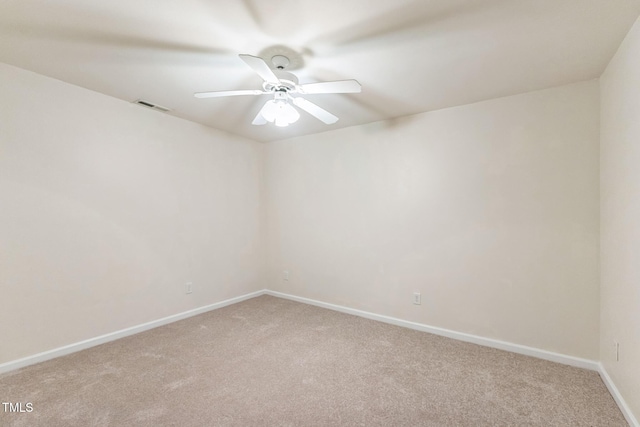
(285, 56)
(280, 62)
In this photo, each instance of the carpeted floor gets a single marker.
(273, 362)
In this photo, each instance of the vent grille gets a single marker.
(151, 105)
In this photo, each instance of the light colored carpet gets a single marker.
(273, 362)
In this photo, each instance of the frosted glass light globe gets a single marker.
(280, 112)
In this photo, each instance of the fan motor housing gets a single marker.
(288, 82)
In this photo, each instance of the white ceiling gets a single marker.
(410, 56)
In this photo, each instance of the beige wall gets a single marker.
(107, 209)
(490, 210)
(620, 218)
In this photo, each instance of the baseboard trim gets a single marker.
(622, 404)
(92, 342)
(475, 339)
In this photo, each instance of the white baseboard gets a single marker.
(92, 342)
(475, 339)
(622, 404)
(487, 342)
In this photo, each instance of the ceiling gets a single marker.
(410, 56)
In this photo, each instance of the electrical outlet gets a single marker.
(188, 288)
(417, 300)
(285, 275)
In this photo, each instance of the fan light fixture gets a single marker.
(279, 111)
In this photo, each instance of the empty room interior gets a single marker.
(320, 213)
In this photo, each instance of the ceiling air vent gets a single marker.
(151, 105)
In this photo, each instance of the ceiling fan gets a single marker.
(282, 85)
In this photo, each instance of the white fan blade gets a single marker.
(260, 120)
(228, 93)
(339, 86)
(262, 68)
(317, 112)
